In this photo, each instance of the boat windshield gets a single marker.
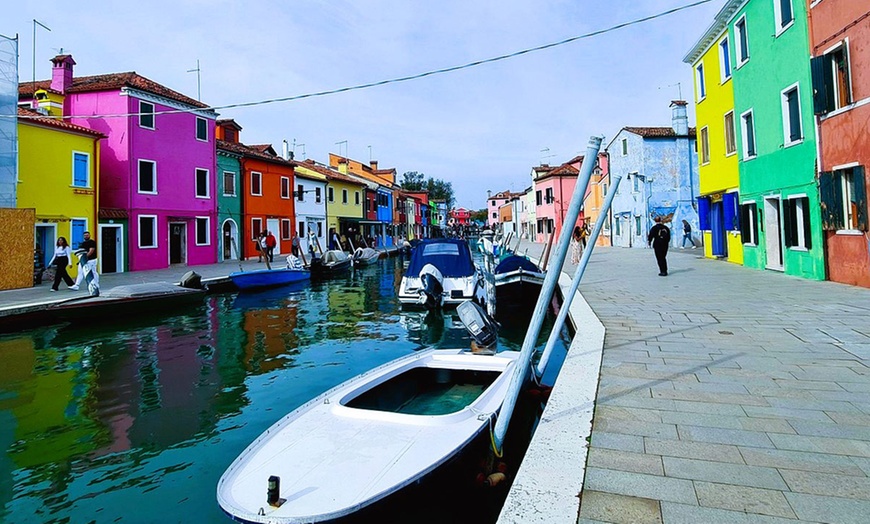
(440, 249)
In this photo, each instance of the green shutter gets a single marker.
(831, 196)
(788, 221)
(808, 232)
(823, 84)
(859, 193)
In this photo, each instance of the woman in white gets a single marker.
(61, 258)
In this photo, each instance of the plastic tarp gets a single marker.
(8, 121)
(515, 262)
(451, 256)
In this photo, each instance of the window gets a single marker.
(730, 137)
(330, 194)
(201, 129)
(783, 15)
(285, 188)
(705, 146)
(317, 195)
(747, 125)
(548, 195)
(344, 196)
(538, 198)
(78, 227)
(637, 230)
(742, 41)
(202, 183)
(796, 219)
(320, 229)
(286, 230)
(701, 86)
(635, 182)
(724, 60)
(81, 170)
(301, 230)
(493, 203)
(844, 200)
(356, 197)
(616, 228)
(202, 230)
(256, 183)
(604, 188)
(256, 228)
(495, 215)
(229, 183)
(624, 146)
(748, 223)
(832, 80)
(146, 115)
(147, 176)
(791, 115)
(147, 231)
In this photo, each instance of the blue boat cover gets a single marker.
(450, 255)
(515, 262)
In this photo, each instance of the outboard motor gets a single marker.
(433, 287)
(482, 328)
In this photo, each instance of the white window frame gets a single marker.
(207, 231)
(786, 115)
(725, 69)
(153, 176)
(777, 17)
(207, 194)
(153, 231)
(753, 240)
(850, 222)
(839, 104)
(635, 181)
(344, 199)
(799, 221)
(700, 82)
(88, 169)
(196, 131)
(253, 220)
(704, 149)
(744, 144)
(289, 225)
(151, 112)
(330, 193)
(739, 50)
(259, 177)
(285, 187)
(624, 147)
(356, 200)
(318, 195)
(733, 132)
(233, 173)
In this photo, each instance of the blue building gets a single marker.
(659, 168)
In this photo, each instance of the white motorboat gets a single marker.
(367, 438)
(441, 273)
(365, 256)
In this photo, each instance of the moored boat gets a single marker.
(365, 256)
(441, 273)
(263, 278)
(518, 282)
(128, 299)
(331, 262)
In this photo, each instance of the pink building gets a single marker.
(493, 203)
(157, 169)
(554, 187)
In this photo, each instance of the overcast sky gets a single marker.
(480, 128)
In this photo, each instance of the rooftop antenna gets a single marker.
(339, 144)
(543, 156)
(40, 24)
(678, 85)
(198, 83)
(295, 145)
(370, 154)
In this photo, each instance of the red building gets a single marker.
(460, 216)
(840, 50)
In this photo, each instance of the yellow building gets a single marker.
(58, 177)
(718, 203)
(594, 202)
(345, 197)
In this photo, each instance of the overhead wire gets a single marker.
(403, 78)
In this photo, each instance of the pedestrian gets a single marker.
(271, 242)
(89, 246)
(295, 245)
(659, 238)
(576, 248)
(261, 245)
(687, 235)
(61, 259)
(333, 239)
(584, 234)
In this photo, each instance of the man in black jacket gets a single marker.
(660, 238)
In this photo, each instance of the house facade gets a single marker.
(592, 206)
(659, 173)
(719, 174)
(229, 199)
(380, 222)
(311, 212)
(840, 65)
(156, 167)
(493, 204)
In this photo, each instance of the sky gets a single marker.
(481, 128)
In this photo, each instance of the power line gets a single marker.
(416, 76)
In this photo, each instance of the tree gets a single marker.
(438, 189)
(413, 181)
(479, 215)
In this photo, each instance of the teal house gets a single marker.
(229, 201)
(780, 216)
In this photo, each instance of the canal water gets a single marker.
(135, 420)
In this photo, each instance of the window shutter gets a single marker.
(808, 232)
(859, 193)
(704, 213)
(732, 215)
(744, 222)
(831, 195)
(788, 220)
(823, 84)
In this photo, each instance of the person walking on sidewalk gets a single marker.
(659, 238)
(271, 242)
(687, 235)
(576, 247)
(61, 259)
(90, 248)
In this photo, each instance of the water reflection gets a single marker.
(134, 420)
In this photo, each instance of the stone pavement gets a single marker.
(726, 394)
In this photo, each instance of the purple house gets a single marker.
(157, 201)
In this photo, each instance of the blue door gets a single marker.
(717, 229)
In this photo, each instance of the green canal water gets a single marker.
(134, 420)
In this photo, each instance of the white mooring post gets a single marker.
(550, 282)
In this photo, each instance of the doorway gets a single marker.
(111, 248)
(46, 237)
(274, 227)
(772, 234)
(229, 235)
(177, 242)
(717, 229)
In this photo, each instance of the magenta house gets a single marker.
(157, 202)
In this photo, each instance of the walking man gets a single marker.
(659, 238)
(271, 242)
(90, 247)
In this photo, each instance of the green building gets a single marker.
(229, 203)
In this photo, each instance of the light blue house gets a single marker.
(659, 166)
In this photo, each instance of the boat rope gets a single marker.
(534, 375)
(497, 452)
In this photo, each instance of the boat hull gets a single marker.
(344, 450)
(265, 278)
(150, 299)
(516, 293)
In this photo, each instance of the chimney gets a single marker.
(285, 150)
(62, 73)
(679, 118)
(374, 164)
